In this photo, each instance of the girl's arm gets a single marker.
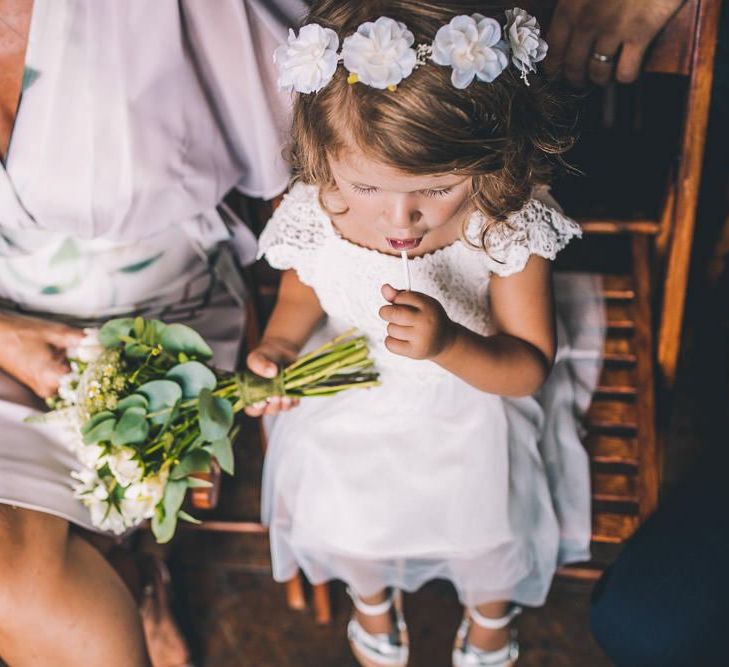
(294, 318)
(513, 362)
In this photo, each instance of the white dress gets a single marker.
(425, 476)
(135, 120)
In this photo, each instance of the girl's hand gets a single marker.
(265, 361)
(33, 351)
(418, 326)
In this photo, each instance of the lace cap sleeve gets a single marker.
(297, 228)
(536, 229)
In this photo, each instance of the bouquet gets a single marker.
(144, 412)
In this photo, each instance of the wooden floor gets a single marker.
(241, 618)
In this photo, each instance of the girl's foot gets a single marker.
(482, 641)
(377, 632)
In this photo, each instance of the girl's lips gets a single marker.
(404, 244)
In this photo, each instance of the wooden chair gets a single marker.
(637, 205)
(262, 289)
(638, 212)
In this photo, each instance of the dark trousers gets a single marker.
(665, 601)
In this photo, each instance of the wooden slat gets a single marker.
(613, 528)
(612, 449)
(614, 488)
(612, 414)
(649, 227)
(671, 52)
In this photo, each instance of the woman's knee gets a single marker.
(32, 554)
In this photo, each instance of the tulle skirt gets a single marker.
(431, 478)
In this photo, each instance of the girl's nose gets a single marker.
(403, 212)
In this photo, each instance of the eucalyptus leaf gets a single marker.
(132, 428)
(165, 521)
(216, 416)
(192, 377)
(153, 331)
(163, 396)
(110, 335)
(197, 460)
(102, 432)
(96, 419)
(132, 401)
(187, 517)
(137, 350)
(178, 338)
(223, 451)
(197, 483)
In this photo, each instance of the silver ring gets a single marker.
(602, 57)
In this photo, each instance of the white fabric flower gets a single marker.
(472, 46)
(527, 47)
(89, 349)
(125, 466)
(308, 61)
(380, 53)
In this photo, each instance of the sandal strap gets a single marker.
(493, 623)
(371, 609)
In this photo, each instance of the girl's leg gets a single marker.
(61, 603)
(380, 624)
(486, 639)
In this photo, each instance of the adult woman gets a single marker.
(132, 123)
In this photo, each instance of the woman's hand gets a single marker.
(582, 31)
(418, 327)
(266, 361)
(33, 351)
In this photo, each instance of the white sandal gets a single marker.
(465, 655)
(379, 650)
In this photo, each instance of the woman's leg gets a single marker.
(61, 603)
(376, 624)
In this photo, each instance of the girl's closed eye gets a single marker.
(363, 190)
(437, 193)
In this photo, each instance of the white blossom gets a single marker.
(141, 498)
(380, 53)
(527, 47)
(308, 61)
(472, 46)
(89, 349)
(125, 466)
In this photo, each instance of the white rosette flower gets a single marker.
(92, 491)
(527, 47)
(125, 466)
(472, 46)
(308, 61)
(379, 54)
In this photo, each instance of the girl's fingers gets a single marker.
(389, 292)
(399, 332)
(255, 410)
(261, 365)
(413, 299)
(400, 314)
(396, 346)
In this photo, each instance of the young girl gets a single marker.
(425, 133)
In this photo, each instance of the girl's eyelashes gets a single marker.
(437, 193)
(363, 190)
(442, 192)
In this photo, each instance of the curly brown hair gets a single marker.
(504, 134)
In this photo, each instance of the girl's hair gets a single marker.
(502, 134)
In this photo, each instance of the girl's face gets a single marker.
(391, 210)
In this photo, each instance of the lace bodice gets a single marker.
(347, 277)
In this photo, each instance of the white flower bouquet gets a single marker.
(144, 412)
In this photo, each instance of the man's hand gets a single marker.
(582, 31)
(33, 351)
(418, 327)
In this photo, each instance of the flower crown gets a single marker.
(381, 53)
